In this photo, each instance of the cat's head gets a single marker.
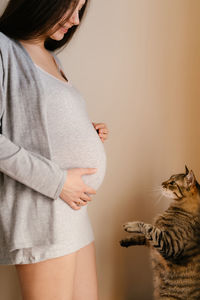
(181, 185)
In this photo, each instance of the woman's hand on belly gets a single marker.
(102, 130)
(74, 190)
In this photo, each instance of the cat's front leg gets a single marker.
(161, 240)
(150, 232)
(134, 240)
(140, 227)
(134, 227)
(137, 238)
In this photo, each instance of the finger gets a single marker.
(74, 206)
(100, 125)
(85, 197)
(104, 136)
(102, 139)
(90, 190)
(104, 130)
(80, 202)
(88, 170)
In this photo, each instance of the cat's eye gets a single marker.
(172, 182)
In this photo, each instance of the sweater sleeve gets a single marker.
(29, 168)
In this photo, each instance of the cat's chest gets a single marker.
(158, 261)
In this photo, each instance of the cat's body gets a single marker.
(174, 240)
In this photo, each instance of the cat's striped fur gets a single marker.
(174, 240)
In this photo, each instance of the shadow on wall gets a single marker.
(134, 262)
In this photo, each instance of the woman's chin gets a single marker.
(57, 36)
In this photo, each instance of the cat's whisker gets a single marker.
(156, 190)
(156, 187)
(158, 201)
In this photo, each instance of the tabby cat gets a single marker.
(174, 240)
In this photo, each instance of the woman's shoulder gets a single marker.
(4, 39)
(11, 51)
(5, 45)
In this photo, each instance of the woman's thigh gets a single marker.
(85, 280)
(51, 279)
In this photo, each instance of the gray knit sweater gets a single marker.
(27, 168)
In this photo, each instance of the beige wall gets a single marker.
(137, 64)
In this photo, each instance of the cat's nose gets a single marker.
(164, 184)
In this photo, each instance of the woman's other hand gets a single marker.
(102, 130)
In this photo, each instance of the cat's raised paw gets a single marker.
(125, 243)
(133, 227)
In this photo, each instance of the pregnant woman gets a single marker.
(52, 158)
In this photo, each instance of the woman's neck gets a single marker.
(34, 44)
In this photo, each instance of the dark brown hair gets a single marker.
(29, 19)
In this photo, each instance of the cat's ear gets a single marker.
(190, 178)
(186, 170)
